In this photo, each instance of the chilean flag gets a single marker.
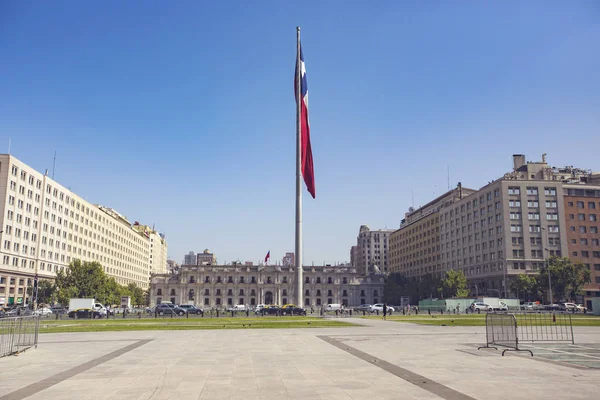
(267, 256)
(307, 159)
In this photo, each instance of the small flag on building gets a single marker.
(267, 257)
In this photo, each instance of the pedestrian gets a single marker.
(384, 311)
(408, 308)
(458, 308)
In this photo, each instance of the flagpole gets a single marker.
(298, 171)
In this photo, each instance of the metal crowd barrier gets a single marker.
(18, 334)
(508, 329)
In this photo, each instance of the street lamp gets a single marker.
(546, 261)
(504, 266)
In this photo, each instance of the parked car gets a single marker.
(363, 307)
(478, 307)
(379, 307)
(236, 308)
(568, 307)
(58, 310)
(164, 308)
(292, 310)
(191, 309)
(333, 307)
(258, 308)
(581, 308)
(552, 307)
(43, 311)
(271, 310)
(529, 306)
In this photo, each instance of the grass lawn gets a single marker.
(479, 319)
(103, 325)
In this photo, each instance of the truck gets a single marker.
(494, 303)
(86, 308)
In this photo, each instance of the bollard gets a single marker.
(139, 315)
(123, 314)
(350, 312)
(231, 313)
(429, 311)
(442, 311)
(417, 311)
(377, 312)
(57, 316)
(364, 313)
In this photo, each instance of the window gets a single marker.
(551, 204)
(583, 242)
(533, 216)
(515, 228)
(307, 280)
(595, 242)
(318, 279)
(581, 217)
(593, 229)
(550, 191)
(585, 254)
(582, 229)
(514, 203)
(553, 228)
(535, 228)
(532, 191)
(591, 205)
(552, 217)
(515, 215)
(535, 241)
(511, 190)
(580, 204)
(592, 217)
(533, 204)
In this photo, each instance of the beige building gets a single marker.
(157, 256)
(45, 226)
(217, 286)
(206, 258)
(371, 254)
(415, 247)
(506, 228)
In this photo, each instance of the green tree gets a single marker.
(568, 277)
(526, 286)
(136, 293)
(82, 279)
(46, 292)
(454, 284)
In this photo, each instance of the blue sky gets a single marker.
(181, 114)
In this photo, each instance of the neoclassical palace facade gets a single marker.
(218, 286)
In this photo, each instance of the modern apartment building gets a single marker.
(221, 286)
(372, 252)
(189, 259)
(158, 248)
(582, 210)
(288, 260)
(415, 247)
(45, 226)
(506, 228)
(206, 258)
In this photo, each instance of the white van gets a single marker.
(333, 307)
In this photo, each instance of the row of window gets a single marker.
(535, 228)
(269, 280)
(586, 254)
(581, 204)
(241, 301)
(531, 191)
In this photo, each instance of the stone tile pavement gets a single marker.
(399, 361)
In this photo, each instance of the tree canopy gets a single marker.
(568, 277)
(88, 279)
(454, 284)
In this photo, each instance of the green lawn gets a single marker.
(53, 326)
(479, 320)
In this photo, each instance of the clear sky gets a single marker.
(181, 114)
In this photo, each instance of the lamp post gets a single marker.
(504, 266)
(547, 262)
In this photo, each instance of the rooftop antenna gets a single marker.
(54, 165)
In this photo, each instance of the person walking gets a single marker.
(384, 311)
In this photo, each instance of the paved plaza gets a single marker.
(379, 360)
